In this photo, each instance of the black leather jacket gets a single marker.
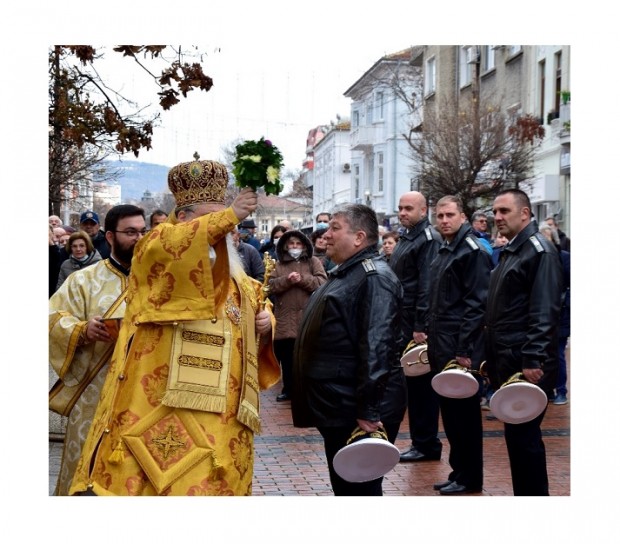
(346, 362)
(523, 309)
(458, 293)
(410, 261)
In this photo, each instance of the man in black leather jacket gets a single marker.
(410, 261)
(347, 369)
(522, 316)
(459, 284)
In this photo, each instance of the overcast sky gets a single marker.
(277, 92)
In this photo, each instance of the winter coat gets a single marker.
(289, 298)
(565, 310)
(327, 263)
(410, 261)
(71, 265)
(523, 310)
(101, 244)
(458, 292)
(346, 363)
(252, 261)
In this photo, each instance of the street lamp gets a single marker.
(367, 195)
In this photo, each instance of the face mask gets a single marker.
(295, 253)
(322, 226)
(275, 241)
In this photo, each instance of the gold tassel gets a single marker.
(118, 454)
(217, 470)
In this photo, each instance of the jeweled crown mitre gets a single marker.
(198, 181)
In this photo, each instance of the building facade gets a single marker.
(381, 114)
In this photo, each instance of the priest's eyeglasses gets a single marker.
(132, 233)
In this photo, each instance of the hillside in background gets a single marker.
(136, 177)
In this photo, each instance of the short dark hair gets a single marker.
(329, 215)
(156, 213)
(120, 212)
(275, 230)
(316, 234)
(361, 217)
(520, 196)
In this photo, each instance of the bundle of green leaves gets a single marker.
(258, 164)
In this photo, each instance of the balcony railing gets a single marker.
(362, 138)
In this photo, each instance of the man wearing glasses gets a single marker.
(79, 345)
(480, 224)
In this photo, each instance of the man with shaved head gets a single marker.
(410, 260)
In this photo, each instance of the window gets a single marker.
(541, 83)
(355, 119)
(488, 58)
(558, 80)
(430, 76)
(371, 171)
(514, 49)
(356, 180)
(369, 113)
(465, 71)
(379, 104)
(380, 172)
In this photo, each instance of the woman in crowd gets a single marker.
(296, 276)
(81, 252)
(270, 246)
(319, 246)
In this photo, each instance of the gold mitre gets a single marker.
(198, 181)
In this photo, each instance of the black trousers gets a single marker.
(528, 460)
(423, 410)
(462, 421)
(283, 350)
(334, 439)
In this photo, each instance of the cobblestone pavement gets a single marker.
(291, 461)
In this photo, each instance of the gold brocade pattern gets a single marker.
(200, 362)
(154, 385)
(161, 284)
(168, 441)
(196, 276)
(178, 241)
(202, 338)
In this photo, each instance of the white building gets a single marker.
(381, 163)
(332, 169)
(549, 95)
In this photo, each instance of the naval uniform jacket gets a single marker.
(346, 361)
(458, 292)
(523, 309)
(410, 261)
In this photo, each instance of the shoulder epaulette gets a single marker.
(429, 234)
(472, 243)
(536, 243)
(369, 266)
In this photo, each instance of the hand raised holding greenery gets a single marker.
(257, 164)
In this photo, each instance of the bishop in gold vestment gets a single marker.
(180, 403)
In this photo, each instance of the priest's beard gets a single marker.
(234, 260)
